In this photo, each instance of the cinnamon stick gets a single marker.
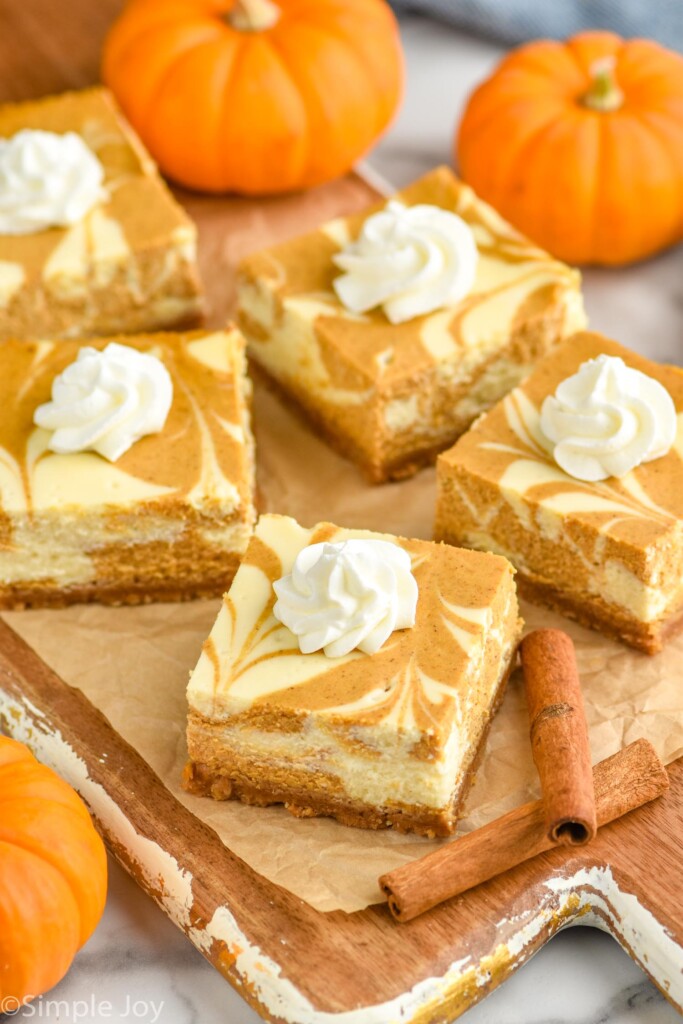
(559, 735)
(623, 782)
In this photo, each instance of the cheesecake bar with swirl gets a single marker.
(577, 478)
(352, 674)
(91, 239)
(441, 317)
(126, 468)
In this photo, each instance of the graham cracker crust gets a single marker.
(46, 595)
(593, 612)
(201, 780)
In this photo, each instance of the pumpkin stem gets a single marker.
(253, 15)
(604, 93)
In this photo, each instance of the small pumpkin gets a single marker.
(254, 96)
(53, 875)
(580, 145)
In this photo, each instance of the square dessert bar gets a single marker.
(609, 554)
(390, 396)
(374, 740)
(169, 520)
(128, 265)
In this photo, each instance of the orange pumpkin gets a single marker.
(580, 145)
(53, 875)
(255, 96)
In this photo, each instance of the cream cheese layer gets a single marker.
(423, 696)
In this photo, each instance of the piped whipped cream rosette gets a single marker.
(607, 419)
(349, 595)
(106, 401)
(408, 260)
(47, 180)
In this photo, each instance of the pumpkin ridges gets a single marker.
(587, 47)
(386, 76)
(32, 779)
(373, 74)
(229, 68)
(138, 18)
(13, 752)
(563, 154)
(342, 11)
(310, 136)
(658, 194)
(145, 68)
(174, 118)
(644, 63)
(524, 121)
(541, 153)
(340, 24)
(548, 61)
(277, 125)
(667, 129)
(518, 83)
(626, 236)
(33, 959)
(63, 839)
(604, 238)
(318, 102)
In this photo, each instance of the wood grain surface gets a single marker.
(629, 880)
(305, 963)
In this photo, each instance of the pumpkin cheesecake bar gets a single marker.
(395, 328)
(91, 240)
(126, 468)
(577, 478)
(352, 674)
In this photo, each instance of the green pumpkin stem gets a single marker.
(604, 93)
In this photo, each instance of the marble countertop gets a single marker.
(138, 967)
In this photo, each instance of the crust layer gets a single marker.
(47, 595)
(595, 613)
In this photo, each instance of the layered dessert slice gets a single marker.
(126, 468)
(91, 239)
(352, 674)
(394, 329)
(577, 478)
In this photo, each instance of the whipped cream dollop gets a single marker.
(409, 260)
(607, 419)
(106, 401)
(347, 595)
(47, 180)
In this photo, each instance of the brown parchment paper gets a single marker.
(133, 663)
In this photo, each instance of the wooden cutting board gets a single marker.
(290, 962)
(296, 965)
